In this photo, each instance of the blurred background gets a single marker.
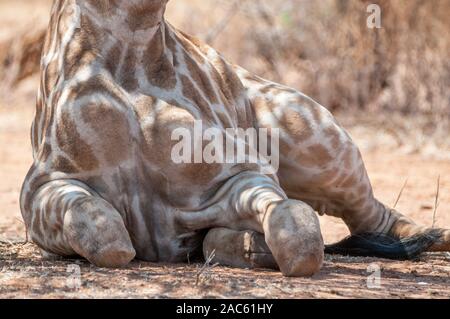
(389, 87)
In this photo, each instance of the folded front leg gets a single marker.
(66, 218)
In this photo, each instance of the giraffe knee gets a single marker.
(96, 231)
(293, 234)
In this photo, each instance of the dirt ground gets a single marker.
(23, 274)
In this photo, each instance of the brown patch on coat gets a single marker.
(112, 57)
(158, 135)
(326, 177)
(332, 134)
(158, 68)
(348, 158)
(296, 125)
(73, 145)
(196, 42)
(97, 85)
(83, 48)
(128, 78)
(316, 112)
(201, 78)
(171, 45)
(111, 127)
(145, 15)
(363, 189)
(321, 154)
(189, 91)
(51, 75)
(62, 164)
(35, 133)
(144, 107)
(350, 181)
(105, 7)
(44, 153)
(261, 106)
(36, 224)
(231, 80)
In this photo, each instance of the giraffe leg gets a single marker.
(340, 187)
(292, 232)
(321, 166)
(240, 249)
(256, 202)
(291, 228)
(67, 218)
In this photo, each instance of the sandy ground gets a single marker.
(24, 274)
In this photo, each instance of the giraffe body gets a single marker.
(116, 80)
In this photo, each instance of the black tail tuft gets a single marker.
(384, 246)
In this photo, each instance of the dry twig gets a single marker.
(436, 201)
(206, 267)
(401, 192)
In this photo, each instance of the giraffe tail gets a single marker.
(385, 246)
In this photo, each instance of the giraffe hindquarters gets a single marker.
(68, 219)
(322, 166)
(319, 162)
(240, 249)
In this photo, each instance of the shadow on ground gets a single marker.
(24, 274)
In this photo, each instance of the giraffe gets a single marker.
(116, 80)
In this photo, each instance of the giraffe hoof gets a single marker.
(293, 234)
(111, 257)
(304, 266)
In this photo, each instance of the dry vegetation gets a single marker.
(323, 48)
(389, 87)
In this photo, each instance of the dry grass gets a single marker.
(325, 48)
(204, 272)
(400, 193)
(436, 201)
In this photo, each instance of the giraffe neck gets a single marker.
(86, 36)
(132, 22)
